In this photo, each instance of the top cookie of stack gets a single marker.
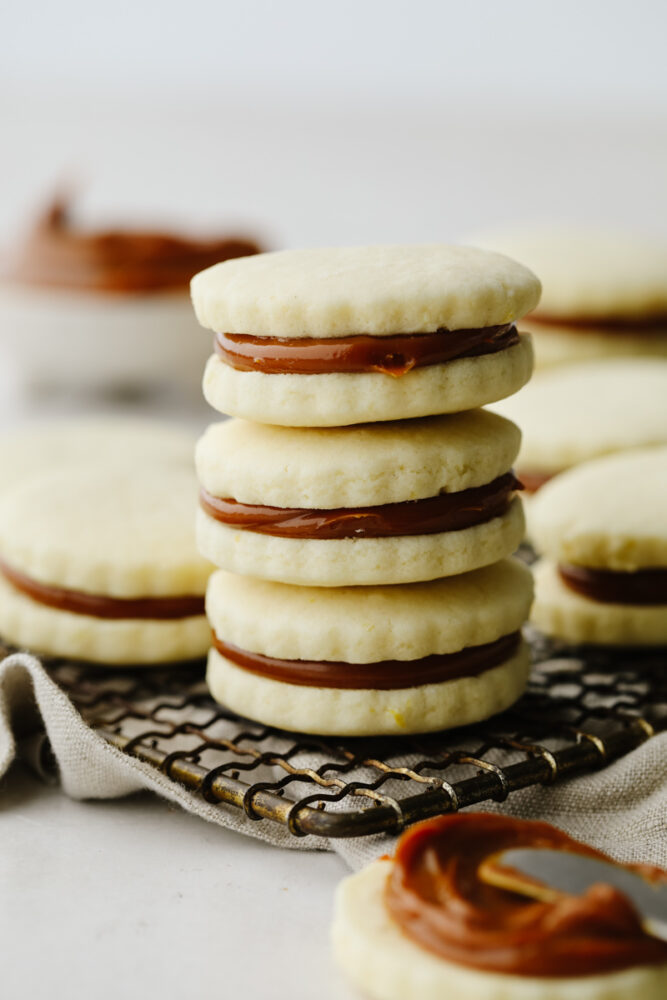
(331, 337)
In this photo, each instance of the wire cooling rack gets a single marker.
(582, 710)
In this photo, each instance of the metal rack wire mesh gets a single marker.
(581, 711)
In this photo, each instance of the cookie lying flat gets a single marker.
(100, 564)
(424, 926)
(41, 446)
(340, 336)
(370, 660)
(603, 529)
(370, 504)
(574, 413)
(605, 294)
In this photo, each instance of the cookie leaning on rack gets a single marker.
(99, 563)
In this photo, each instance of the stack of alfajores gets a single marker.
(360, 506)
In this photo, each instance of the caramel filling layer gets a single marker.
(644, 587)
(101, 606)
(447, 512)
(394, 356)
(435, 893)
(385, 675)
(58, 254)
(606, 324)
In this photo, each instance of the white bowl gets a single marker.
(99, 341)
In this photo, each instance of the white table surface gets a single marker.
(134, 898)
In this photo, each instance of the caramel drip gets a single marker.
(384, 675)
(645, 587)
(447, 512)
(392, 355)
(99, 605)
(435, 894)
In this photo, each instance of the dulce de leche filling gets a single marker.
(656, 323)
(57, 254)
(446, 512)
(435, 894)
(645, 587)
(383, 675)
(101, 606)
(393, 355)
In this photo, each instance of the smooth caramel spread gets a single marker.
(608, 324)
(435, 894)
(645, 587)
(385, 675)
(446, 512)
(57, 254)
(101, 606)
(394, 355)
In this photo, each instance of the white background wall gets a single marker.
(316, 122)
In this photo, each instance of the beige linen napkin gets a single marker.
(621, 810)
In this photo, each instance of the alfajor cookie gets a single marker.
(428, 923)
(100, 564)
(339, 336)
(370, 660)
(604, 293)
(603, 529)
(370, 504)
(573, 413)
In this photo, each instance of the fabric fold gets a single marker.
(621, 809)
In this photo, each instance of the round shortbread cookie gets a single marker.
(109, 529)
(609, 513)
(377, 290)
(366, 712)
(354, 466)
(358, 467)
(339, 399)
(73, 539)
(387, 965)
(41, 446)
(369, 624)
(27, 623)
(590, 274)
(360, 561)
(561, 612)
(571, 414)
(562, 345)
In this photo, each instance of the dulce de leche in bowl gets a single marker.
(108, 309)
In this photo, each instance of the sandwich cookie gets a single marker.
(573, 413)
(604, 295)
(370, 504)
(424, 925)
(340, 336)
(603, 529)
(363, 661)
(100, 564)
